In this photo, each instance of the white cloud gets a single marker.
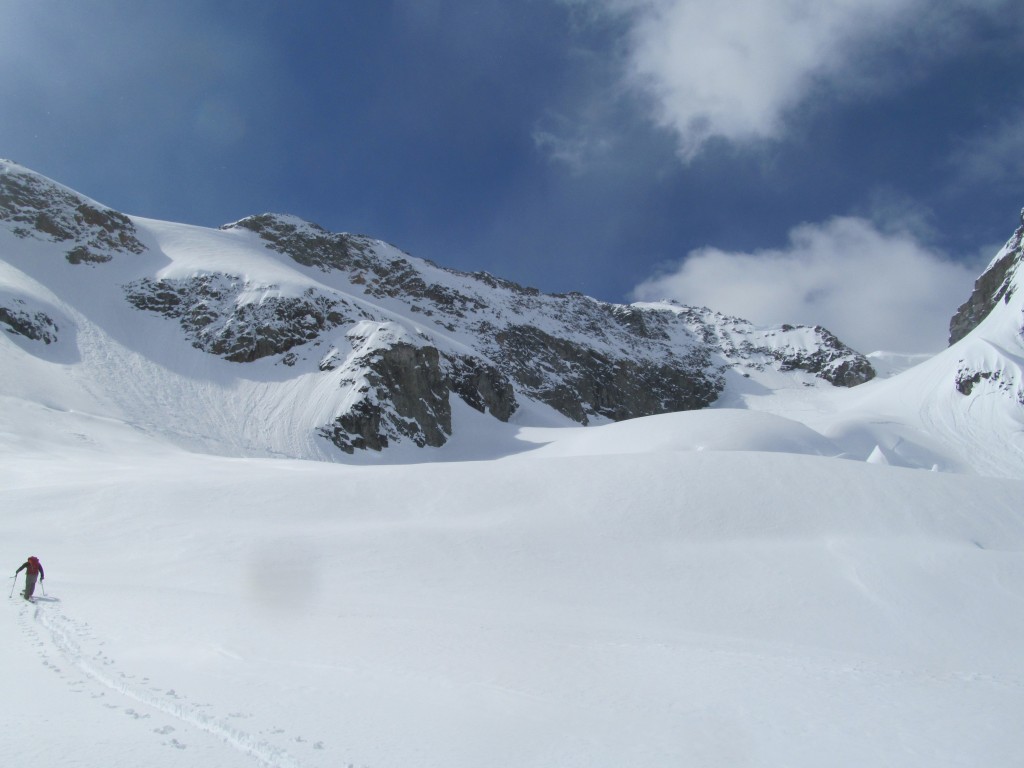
(736, 68)
(875, 290)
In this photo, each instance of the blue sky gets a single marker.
(853, 163)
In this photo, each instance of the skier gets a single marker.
(32, 568)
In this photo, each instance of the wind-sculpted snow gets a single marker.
(961, 410)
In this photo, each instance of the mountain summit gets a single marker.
(273, 334)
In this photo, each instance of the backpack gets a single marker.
(33, 566)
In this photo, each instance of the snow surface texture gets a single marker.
(654, 606)
(779, 580)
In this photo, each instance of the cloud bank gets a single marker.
(875, 289)
(736, 69)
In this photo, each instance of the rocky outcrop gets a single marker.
(994, 285)
(309, 244)
(987, 364)
(381, 273)
(241, 322)
(36, 207)
(583, 382)
(481, 385)
(744, 346)
(829, 358)
(22, 321)
(398, 389)
(405, 395)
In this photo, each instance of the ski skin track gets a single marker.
(266, 754)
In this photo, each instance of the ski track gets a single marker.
(65, 634)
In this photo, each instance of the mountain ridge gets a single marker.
(271, 336)
(399, 335)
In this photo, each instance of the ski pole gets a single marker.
(14, 583)
(42, 586)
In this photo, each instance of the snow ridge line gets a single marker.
(267, 754)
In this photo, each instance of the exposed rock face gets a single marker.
(829, 358)
(995, 285)
(481, 385)
(309, 244)
(407, 397)
(787, 348)
(239, 321)
(967, 379)
(398, 387)
(21, 321)
(40, 209)
(988, 367)
(381, 274)
(582, 382)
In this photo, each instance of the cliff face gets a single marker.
(996, 284)
(988, 328)
(400, 337)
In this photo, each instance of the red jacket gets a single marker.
(33, 566)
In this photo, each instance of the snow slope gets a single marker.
(650, 606)
(961, 410)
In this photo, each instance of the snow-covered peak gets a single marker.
(33, 206)
(278, 222)
(14, 174)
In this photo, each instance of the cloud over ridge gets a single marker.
(824, 276)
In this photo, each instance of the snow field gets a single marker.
(671, 608)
